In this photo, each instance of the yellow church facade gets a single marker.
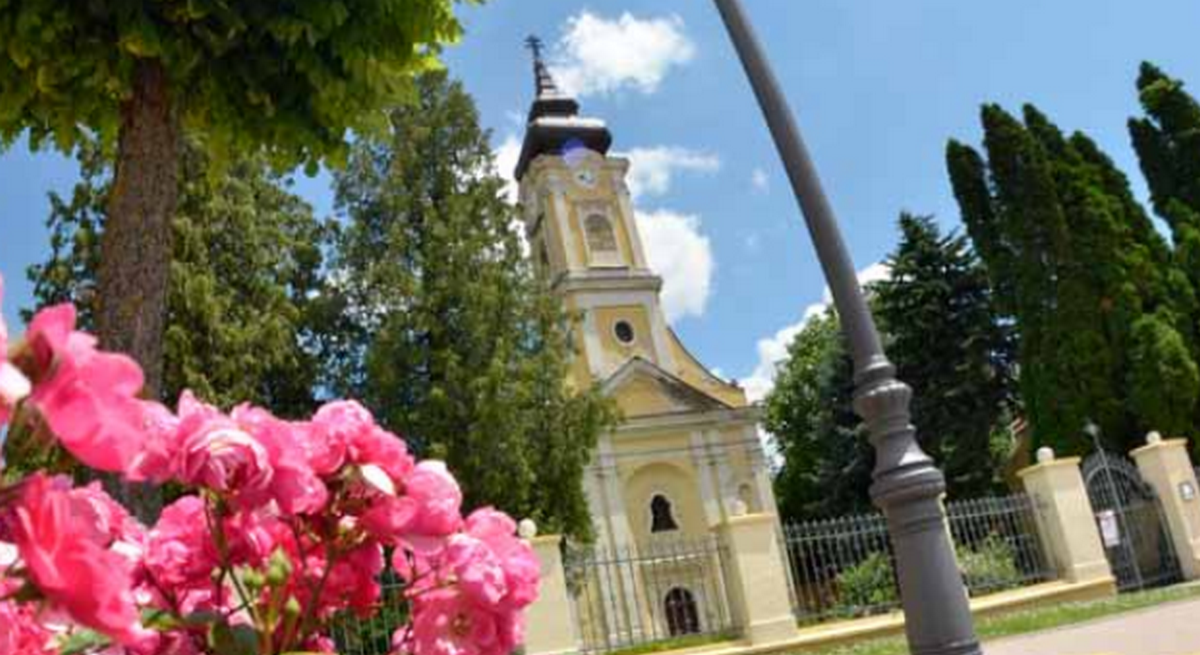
(686, 453)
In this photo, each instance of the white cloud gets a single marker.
(773, 350)
(682, 256)
(506, 162)
(597, 55)
(759, 181)
(651, 170)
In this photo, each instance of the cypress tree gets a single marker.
(449, 335)
(1084, 267)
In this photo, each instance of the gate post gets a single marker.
(1065, 518)
(551, 627)
(758, 581)
(1165, 466)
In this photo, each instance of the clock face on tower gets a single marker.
(585, 177)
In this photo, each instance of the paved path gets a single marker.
(1171, 629)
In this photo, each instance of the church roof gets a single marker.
(679, 390)
(554, 125)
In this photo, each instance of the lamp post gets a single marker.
(907, 486)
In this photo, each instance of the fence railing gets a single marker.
(997, 543)
(373, 636)
(667, 590)
(844, 567)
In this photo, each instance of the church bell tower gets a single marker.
(687, 452)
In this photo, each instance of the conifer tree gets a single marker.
(950, 345)
(1076, 263)
(246, 262)
(450, 336)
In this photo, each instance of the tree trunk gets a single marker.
(136, 245)
(135, 249)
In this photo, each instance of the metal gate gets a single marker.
(1131, 523)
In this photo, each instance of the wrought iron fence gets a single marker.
(997, 543)
(373, 636)
(665, 590)
(844, 567)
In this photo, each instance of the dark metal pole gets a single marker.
(907, 486)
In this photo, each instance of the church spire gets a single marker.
(554, 122)
(544, 82)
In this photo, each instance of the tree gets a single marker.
(1167, 142)
(1076, 262)
(950, 344)
(288, 79)
(245, 266)
(450, 337)
(827, 459)
(937, 315)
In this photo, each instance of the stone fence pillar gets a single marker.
(1065, 518)
(1165, 466)
(757, 579)
(550, 626)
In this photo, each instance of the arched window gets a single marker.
(600, 235)
(661, 517)
(682, 616)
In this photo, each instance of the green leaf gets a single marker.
(83, 640)
(233, 640)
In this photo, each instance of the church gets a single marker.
(686, 453)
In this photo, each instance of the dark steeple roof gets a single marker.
(554, 123)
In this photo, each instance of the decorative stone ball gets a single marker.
(1045, 455)
(739, 507)
(1153, 437)
(527, 529)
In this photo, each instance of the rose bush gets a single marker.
(285, 524)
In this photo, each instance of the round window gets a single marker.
(624, 332)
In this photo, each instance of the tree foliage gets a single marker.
(937, 316)
(246, 263)
(948, 342)
(292, 78)
(1080, 263)
(827, 459)
(288, 80)
(445, 329)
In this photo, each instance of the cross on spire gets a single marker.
(535, 46)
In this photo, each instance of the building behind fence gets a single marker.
(668, 589)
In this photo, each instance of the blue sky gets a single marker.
(878, 86)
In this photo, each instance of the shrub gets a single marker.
(990, 566)
(867, 587)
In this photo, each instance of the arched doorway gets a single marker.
(683, 617)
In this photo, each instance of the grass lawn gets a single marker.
(1032, 620)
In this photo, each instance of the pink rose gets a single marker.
(215, 452)
(354, 581)
(294, 486)
(438, 497)
(180, 553)
(521, 568)
(157, 461)
(448, 623)
(348, 428)
(14, 386)
(88, 397)
(58, 548)
(20, 633)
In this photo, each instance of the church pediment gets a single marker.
(640, 388)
